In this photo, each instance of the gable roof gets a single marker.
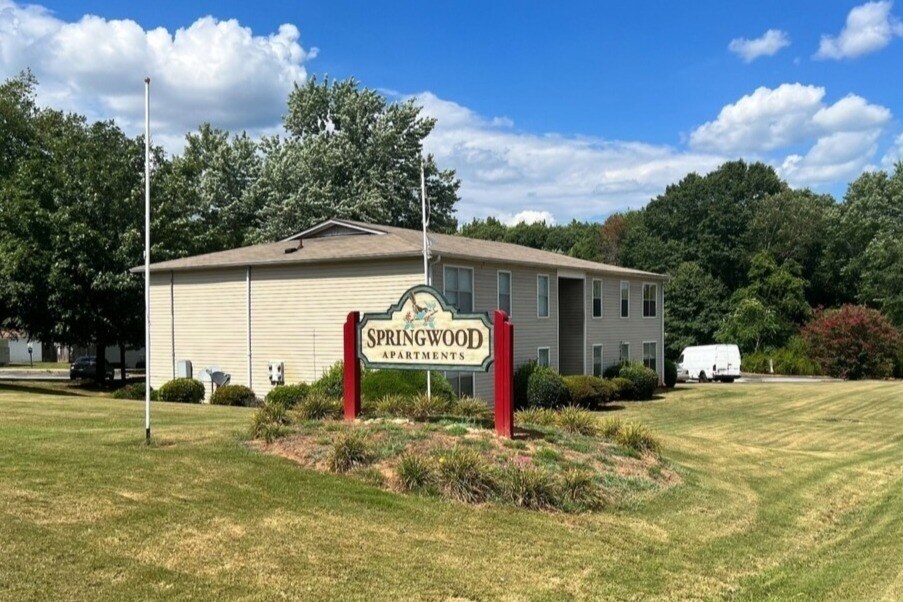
(338, 240)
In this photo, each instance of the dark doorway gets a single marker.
(570, 325)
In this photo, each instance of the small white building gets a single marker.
(241, 309)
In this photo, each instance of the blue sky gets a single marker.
(558, 111)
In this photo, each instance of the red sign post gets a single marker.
(352, 368)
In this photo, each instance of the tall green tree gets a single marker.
(349, 153)
(695, 307)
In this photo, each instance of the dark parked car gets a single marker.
(86, 367)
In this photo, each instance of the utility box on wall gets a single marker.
(277, 373)
(183, 369)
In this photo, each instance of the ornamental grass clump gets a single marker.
(471, 408)
(318, 407)
(535, 416)
(269, 423)
(575, 420)
(530, 487)
(464, 475)
(609, 427)
(579, 492)
(637, 436)
(415, 472)
(425, 406)
(394, 405)
(349, 450)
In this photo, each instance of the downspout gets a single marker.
(431, 264)
(248, 282)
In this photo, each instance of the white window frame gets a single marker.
(548, 351)
(593, 299)
(655, 355)
(621, 300)
(655, 315)
(473, 284)
(548, 300)
(498, 291)
(620, 346)
(601, 360)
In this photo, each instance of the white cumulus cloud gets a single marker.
(768, 44)
(869, 27)
(528, 216)
(212, 70)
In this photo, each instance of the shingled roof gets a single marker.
(344, 240)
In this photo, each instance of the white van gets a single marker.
(709, 362)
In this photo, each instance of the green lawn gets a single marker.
(790, 492)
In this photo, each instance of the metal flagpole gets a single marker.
(426, 254)
(147, 323)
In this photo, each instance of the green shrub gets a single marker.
(319, 407)
(638, 437)
(471, 408)
(572, 419)
(613, 371)
(269, 423)
(331, 383)
(349, 450)
(182, 390)
(579, 492)
(376, 384)
(670, 374)
(234, 395)
(415, 472)
(610, 427)
(134, 391)
(792, 359)
(623, 388)
(536, 416)
(644, 381)
(530, 487)
(463, 475)
(288, 396)
(546, 389)
(588, 391)
(521, 383)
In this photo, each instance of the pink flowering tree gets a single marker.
(853, 342)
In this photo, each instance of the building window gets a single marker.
(597, 360)
(650, 300)
(459, 288)
(543, 357)
(649, 355)
(542, 296)
(597, 298)
(461, 382)
(625, 299)
(624, 352)
(504, 284)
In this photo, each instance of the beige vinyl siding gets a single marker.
(530, 332)
(298, 311)
(161, 329)
(211, 321)
(611, 328)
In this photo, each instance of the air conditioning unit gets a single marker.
(277, 372)
(183, 369)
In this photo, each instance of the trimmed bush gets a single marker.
(588, 391)
(332, 382)
(623, 388)
(670, 374)
(134, 391)
(638, 437)
(349, 450)
(471, 408)
(613, 371)
(288, 396)
(464, 476)
(319, 407)
(536, 416)
(530, 487)
(376, 384)
(546, 389)
(415, 472)
(853, 342)
(182, 390)
(578, 421)
(234, 395)
(643, 380)
(521, 382)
